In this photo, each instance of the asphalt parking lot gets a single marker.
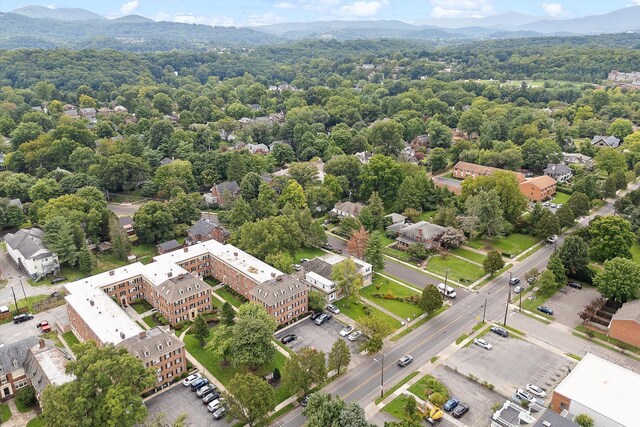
(511, 364)
(568, 302)
(10, 332)
(181, 400)
(479, 398)
(319, 337)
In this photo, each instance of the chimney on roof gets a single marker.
(186, 249)
(40, 343)
(91, 302)
(169, 274)
(111, 273)
(273, 275)
(122, 335)
(420, 232)
(279, 278)
(143, 334)
(235, 254)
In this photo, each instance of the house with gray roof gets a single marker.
(559, 172)
(423, 232)
(169, 246)
(257, 148)
(605, 141)
(347, 209)
(205, 230)
(396, 218)
(318, 272)
(165, 161)
(45, 365)
(28, 251)
(577, 159)
(225, 192)
(12, 359)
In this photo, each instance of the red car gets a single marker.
(44, 326)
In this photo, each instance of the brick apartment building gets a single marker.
(464, 170)
(539, 188)
(625, 324)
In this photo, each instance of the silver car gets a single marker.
(482, 343)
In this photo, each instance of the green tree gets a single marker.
(556, 266)
(26, 397)
(430, 300)
(579, 204)
(178, 173)
(153, 223)
(619, 280)
(183, 207)
(59, 238)
(584, 420)
(375, 329)
(565, 215)
(538, 153)
(486, 207)
(160, 133)
(282, 261)
(251, 338)
(385, 137)
(45, 189)
(317, 300)
(587, 184)
(471, 121)
(610, 237)
(610, 160)
(269, 236)
(24, 132)
(439, 135)
(200, 330)
(339, 356)
(228, 314)
(283, 153)
(293, 194)
(239, 214)
(438, 159)
(250, 398)
(410, 409)
(381, 174)
(323, 410)
(120, 171)
(303, 369)
(574, 254)
(493, 262)
(220, 344)
(121, 245)
(547, 225)
(347, 279)
(373, 252)
(620, 128)
(106, 391)
(547, 283)
(250, 186)
(163, 103)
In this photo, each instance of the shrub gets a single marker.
(366, 310)
(26, 396)
(276, 374)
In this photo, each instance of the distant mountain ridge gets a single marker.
(63, 13)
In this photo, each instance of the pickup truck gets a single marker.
(44, 326)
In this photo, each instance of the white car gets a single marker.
(482, 343)
(523, 395)
(333, 309)
(354, 335)
(517, 289)
(534, 389)
(214, 404)
(190, 379)
(552, 239)
(346, 330)
(546, 203)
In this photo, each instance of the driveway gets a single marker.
(10, 332)
(319, 337)
(511, 364)
(568, 302)
(180, 400)
(124, 209)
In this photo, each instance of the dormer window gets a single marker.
(159, 347)
(169, 343)
(146, 353)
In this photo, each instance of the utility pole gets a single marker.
(446, 276)
(484, 311)
(506, 307)
(520, 310)
(22, 286)
(15, 300)
(381, 362)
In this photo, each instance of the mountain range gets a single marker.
(38, 26)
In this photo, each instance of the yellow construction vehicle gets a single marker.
(432, 415)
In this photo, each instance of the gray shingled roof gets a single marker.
(429, 230)
(320, 267)
(169, 246)
(610, 141)
(203, 227)
(27, 242)
(181, 287)
(149, 343)
(230, 186)
(13, 356)
(553, 169)
(274, 291)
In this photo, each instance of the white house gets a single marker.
(317, 273)
(28, 251)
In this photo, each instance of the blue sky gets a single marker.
(260, 12)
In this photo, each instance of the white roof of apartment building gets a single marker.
(106, 318)
(605, 388)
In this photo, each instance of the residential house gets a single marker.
(159, 349)
(396, 218)
(539, 188)
(225, 192)
(166, 161)
(126, 222)
(255, 107)
(70, 113)
(257, 149)
(15, 202)
(119, 109)
(347, 209)
(318, 164)
(464, 170)
(169, 246)
(12, 373)
(105, 111)
(88, 113)
(2, 166)
(423, 232)
(605, 141)
(205, 230)
(420, 141)
(45, 365)
(559, 172)
(408, 155)
(601, 389)
(625, 324)
(577, 159)
(364, 156)
(318, 272)
(28, 251)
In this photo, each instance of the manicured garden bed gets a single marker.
(141, 306)
(232, 297)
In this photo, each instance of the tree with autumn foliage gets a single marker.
(357, 243)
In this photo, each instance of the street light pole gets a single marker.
(506, 308)
(22, 286)
(381, 362)
(484, 311)
(14, 299)
(446, 276)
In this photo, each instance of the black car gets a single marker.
(460, 410)
(545, 310)
(22, 318)
(500, 331)
(315, 315)
(304, 400)
(220, 413)
(574, 285)
(58, 280)
(288, 338)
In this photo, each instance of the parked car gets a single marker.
(58, 280)
(327, 246)
(535, 390)
(55, 294)
(191, 378)
(304, 400)
(22, 318)
(523, 395)
(545, 310)
(199, 383)
(346, 330)
(210, 397)
(518, 289)
(315, 315)
(574, 285)
(203, 391)
(214, 405)
(354, 335)
(553, 205)
(552, 239)
(547, 203)
(514, 281)
(482, 343)
(297, 267)
(460, 410)
(303, 260)
(405, 360)
(288, 338)
(450, 404)
(220, 413)
(44, 326)
(500, 331)
(337, 250)
(323, 318)
(333, 309)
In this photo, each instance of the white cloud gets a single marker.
(362, 9)
(129, 7)
(191, 18)
(554, 10)
(268, 18)
(52, 6)
(462, 8)
(287, 5)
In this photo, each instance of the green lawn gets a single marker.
(28, 301)
(459, 270)
(36, 422)
(141, 306)
(400, 308)
(635, 252)
(533, 304)
(224, 374)
(419, 388)
(71, 273)
(396, 253)
(356, 312)
(426, 215)
(70, 338)
(415, 325)
(149, 320)
(309, 253)
(561, 198)
(5, 412)
(390, 391)
(145, 252)
(512, 244)
(396, 407)
(233, 298)
(470, 255)
(386, 240)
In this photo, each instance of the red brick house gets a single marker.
(464, 170)
(225, 192)
(625, 324)
(539, 188)
(205, 230)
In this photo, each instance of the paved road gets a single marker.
(124, 209)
